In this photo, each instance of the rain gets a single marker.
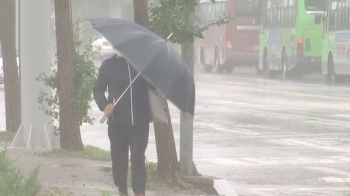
(271, 89)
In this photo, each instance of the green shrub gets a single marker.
(13, 182)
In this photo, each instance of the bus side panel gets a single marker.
(262, 45)
(341, 52)
(287, 42)
(208, 43)
(275, 48)
(311, 36)
(326, 49)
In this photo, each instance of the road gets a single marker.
(266, 137)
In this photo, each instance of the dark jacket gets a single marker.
(116, 74)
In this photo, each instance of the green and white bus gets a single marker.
(291, 37)
(336, 40)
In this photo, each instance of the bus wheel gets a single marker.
(267, 72)
(206, 68)
(219, 68)
(258, 70)
(285, 72)
(332, 77)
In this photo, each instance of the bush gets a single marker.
(85, 77)
(13, 182)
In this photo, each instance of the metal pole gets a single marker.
(186, 164)
(35, 58)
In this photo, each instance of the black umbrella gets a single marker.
(153, 57)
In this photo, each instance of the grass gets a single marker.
(7, 136)
(90, 152)
(154, 182)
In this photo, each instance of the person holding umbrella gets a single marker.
(149, 64)
(128, 122)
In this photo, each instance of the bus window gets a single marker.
(209, 13)
(291, 3)
(341, 4)
(217, 11)
(271, 19)
(247, 7)
(336, 19)
(279, 19)
(282, 18)
(344, 19)
(213, 10)
(285, 3)
(274, 18)
(293, 17)
(266, 19)
(290, 17)
(348, 21)
(315, 5)
(334, 5)
(331, 23)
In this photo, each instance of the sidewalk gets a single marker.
(73, 176)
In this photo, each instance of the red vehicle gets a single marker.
(233, 44)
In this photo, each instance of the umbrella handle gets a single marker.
(115, 102)
(103, 119)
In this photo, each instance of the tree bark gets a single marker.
(70, 136)
(10, 69)
(141, 12)
(167, 166)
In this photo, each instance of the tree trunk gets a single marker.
(141, 12)
(70, 136)
(10, 69)
(167, 166)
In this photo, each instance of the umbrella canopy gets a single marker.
(153, 57)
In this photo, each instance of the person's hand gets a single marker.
(109, 110)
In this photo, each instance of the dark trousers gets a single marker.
(123, 137)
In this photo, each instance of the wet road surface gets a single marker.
(266, 137)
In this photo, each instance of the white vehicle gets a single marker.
(103, 47)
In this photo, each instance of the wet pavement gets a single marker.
(266, 137)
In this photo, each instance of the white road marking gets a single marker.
(342, 116)
(287, 93)
(330, 170)
(238, 83)
(270, 161)
(335, 179)
(341, 149)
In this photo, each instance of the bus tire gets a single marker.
(267, 72)
(206, 68)
(220, 69)
(284, 66)
(331, 76)
(258, 70)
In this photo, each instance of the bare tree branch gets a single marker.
(80, 21)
